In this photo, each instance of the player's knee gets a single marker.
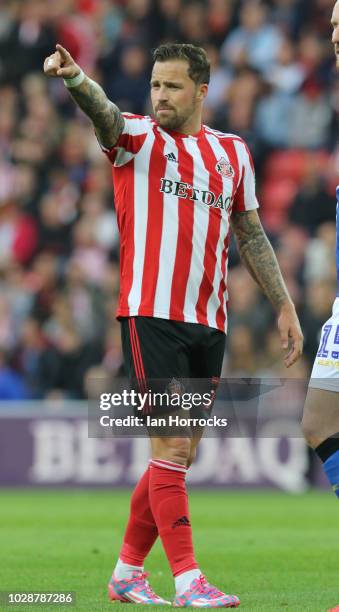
(310, 433)
(181, 448)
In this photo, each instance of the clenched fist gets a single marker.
(61, 64)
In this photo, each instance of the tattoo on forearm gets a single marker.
(257, 254)
(106, 116)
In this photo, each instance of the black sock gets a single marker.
(328, 447)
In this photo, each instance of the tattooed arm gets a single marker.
(258, 256)
(106, 117)
(90, 97)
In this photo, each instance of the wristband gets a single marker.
(75, 81)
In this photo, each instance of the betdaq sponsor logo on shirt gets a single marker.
(187, 191)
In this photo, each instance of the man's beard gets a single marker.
(174, 120)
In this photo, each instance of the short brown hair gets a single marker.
(198, 64)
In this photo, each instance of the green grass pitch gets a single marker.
(277, 552)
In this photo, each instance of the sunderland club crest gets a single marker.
(224, 168)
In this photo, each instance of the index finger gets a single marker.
(63, 52)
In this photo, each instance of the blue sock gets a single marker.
(331, 467)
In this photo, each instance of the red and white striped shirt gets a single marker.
(174, 195)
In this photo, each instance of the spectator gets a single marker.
(168, 20)
(219, 20)
(246, 306)
(87, 253)
(66, 364)
(272, 116)
(85, 302)
(313, 205)
(192, 20)
(18, 231)
(310, 121)
(12, 384)
(319, 260)
(42, 283)
(26, 37)
(287, 74)
(219, 82)
(256, 41)
(242, 354)
(130, 87)
(30, 355)
(54, 233)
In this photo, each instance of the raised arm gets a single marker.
(90, 97)
(258, 256)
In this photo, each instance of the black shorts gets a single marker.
(162, 355)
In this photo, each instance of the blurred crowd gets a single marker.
(273, 82)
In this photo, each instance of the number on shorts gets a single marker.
(335, 354)
(322, 352)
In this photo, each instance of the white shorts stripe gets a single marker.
(176, 467)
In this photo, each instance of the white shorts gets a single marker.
(325, 372)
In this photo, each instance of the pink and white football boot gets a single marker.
(201, 594)
(136, 590)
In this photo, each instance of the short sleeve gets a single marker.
(133, 136)
(245, 197)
